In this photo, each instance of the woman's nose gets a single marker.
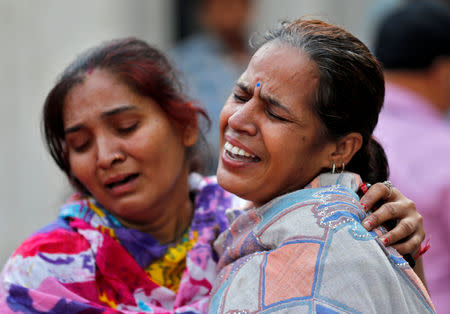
(243, 119)
(108, 153)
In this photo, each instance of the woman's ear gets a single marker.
(346, 148)
(190, 133)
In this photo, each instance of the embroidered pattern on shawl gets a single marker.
(307, 251)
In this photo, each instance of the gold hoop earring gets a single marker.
(333, 168)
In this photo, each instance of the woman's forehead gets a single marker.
(97, 95)
(280, 61)
(284, 72)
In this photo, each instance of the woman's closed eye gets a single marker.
(240, 97)
(127, 128)
(79, 145)
(273, 115)
(81, 148)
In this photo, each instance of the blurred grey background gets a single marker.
(38, 38)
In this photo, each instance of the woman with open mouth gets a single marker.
(138, 234)
(296, 138)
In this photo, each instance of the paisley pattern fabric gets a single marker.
(87, 262)
(307, 252)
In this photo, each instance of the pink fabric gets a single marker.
(417, 142)
(87, 262)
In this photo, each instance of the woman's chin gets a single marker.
(226, 181)
(230, 183)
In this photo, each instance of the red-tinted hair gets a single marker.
(133, 62)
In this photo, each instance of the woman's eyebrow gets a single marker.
(244, 86)
(118, 110)
(270, 99)
(104, 115)
(73, 129)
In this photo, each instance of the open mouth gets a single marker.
(239, 154)
(123, 181)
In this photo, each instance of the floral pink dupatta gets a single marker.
(87, 262)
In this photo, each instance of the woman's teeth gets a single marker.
(237, 151)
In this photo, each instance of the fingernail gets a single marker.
(385, 240)
(364, 206)
(367, 224)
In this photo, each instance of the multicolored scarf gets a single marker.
(87, 262)
(307, 252)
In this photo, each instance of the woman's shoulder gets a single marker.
(325, 204)
(57, 237)
(325, 195)
(286, 239)
(37, 256)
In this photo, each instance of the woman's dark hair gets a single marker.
(144, 69)
(350, 91)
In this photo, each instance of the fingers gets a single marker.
(402, 231)
(389, 186)
(404, 237)
(408, 234)
(376, 192)
(410, 246)
(388, 211)
(397, 207)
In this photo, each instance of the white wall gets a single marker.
(37, 40)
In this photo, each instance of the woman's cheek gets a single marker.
(80, 167)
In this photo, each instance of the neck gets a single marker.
(171, 216)
(419, 82)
